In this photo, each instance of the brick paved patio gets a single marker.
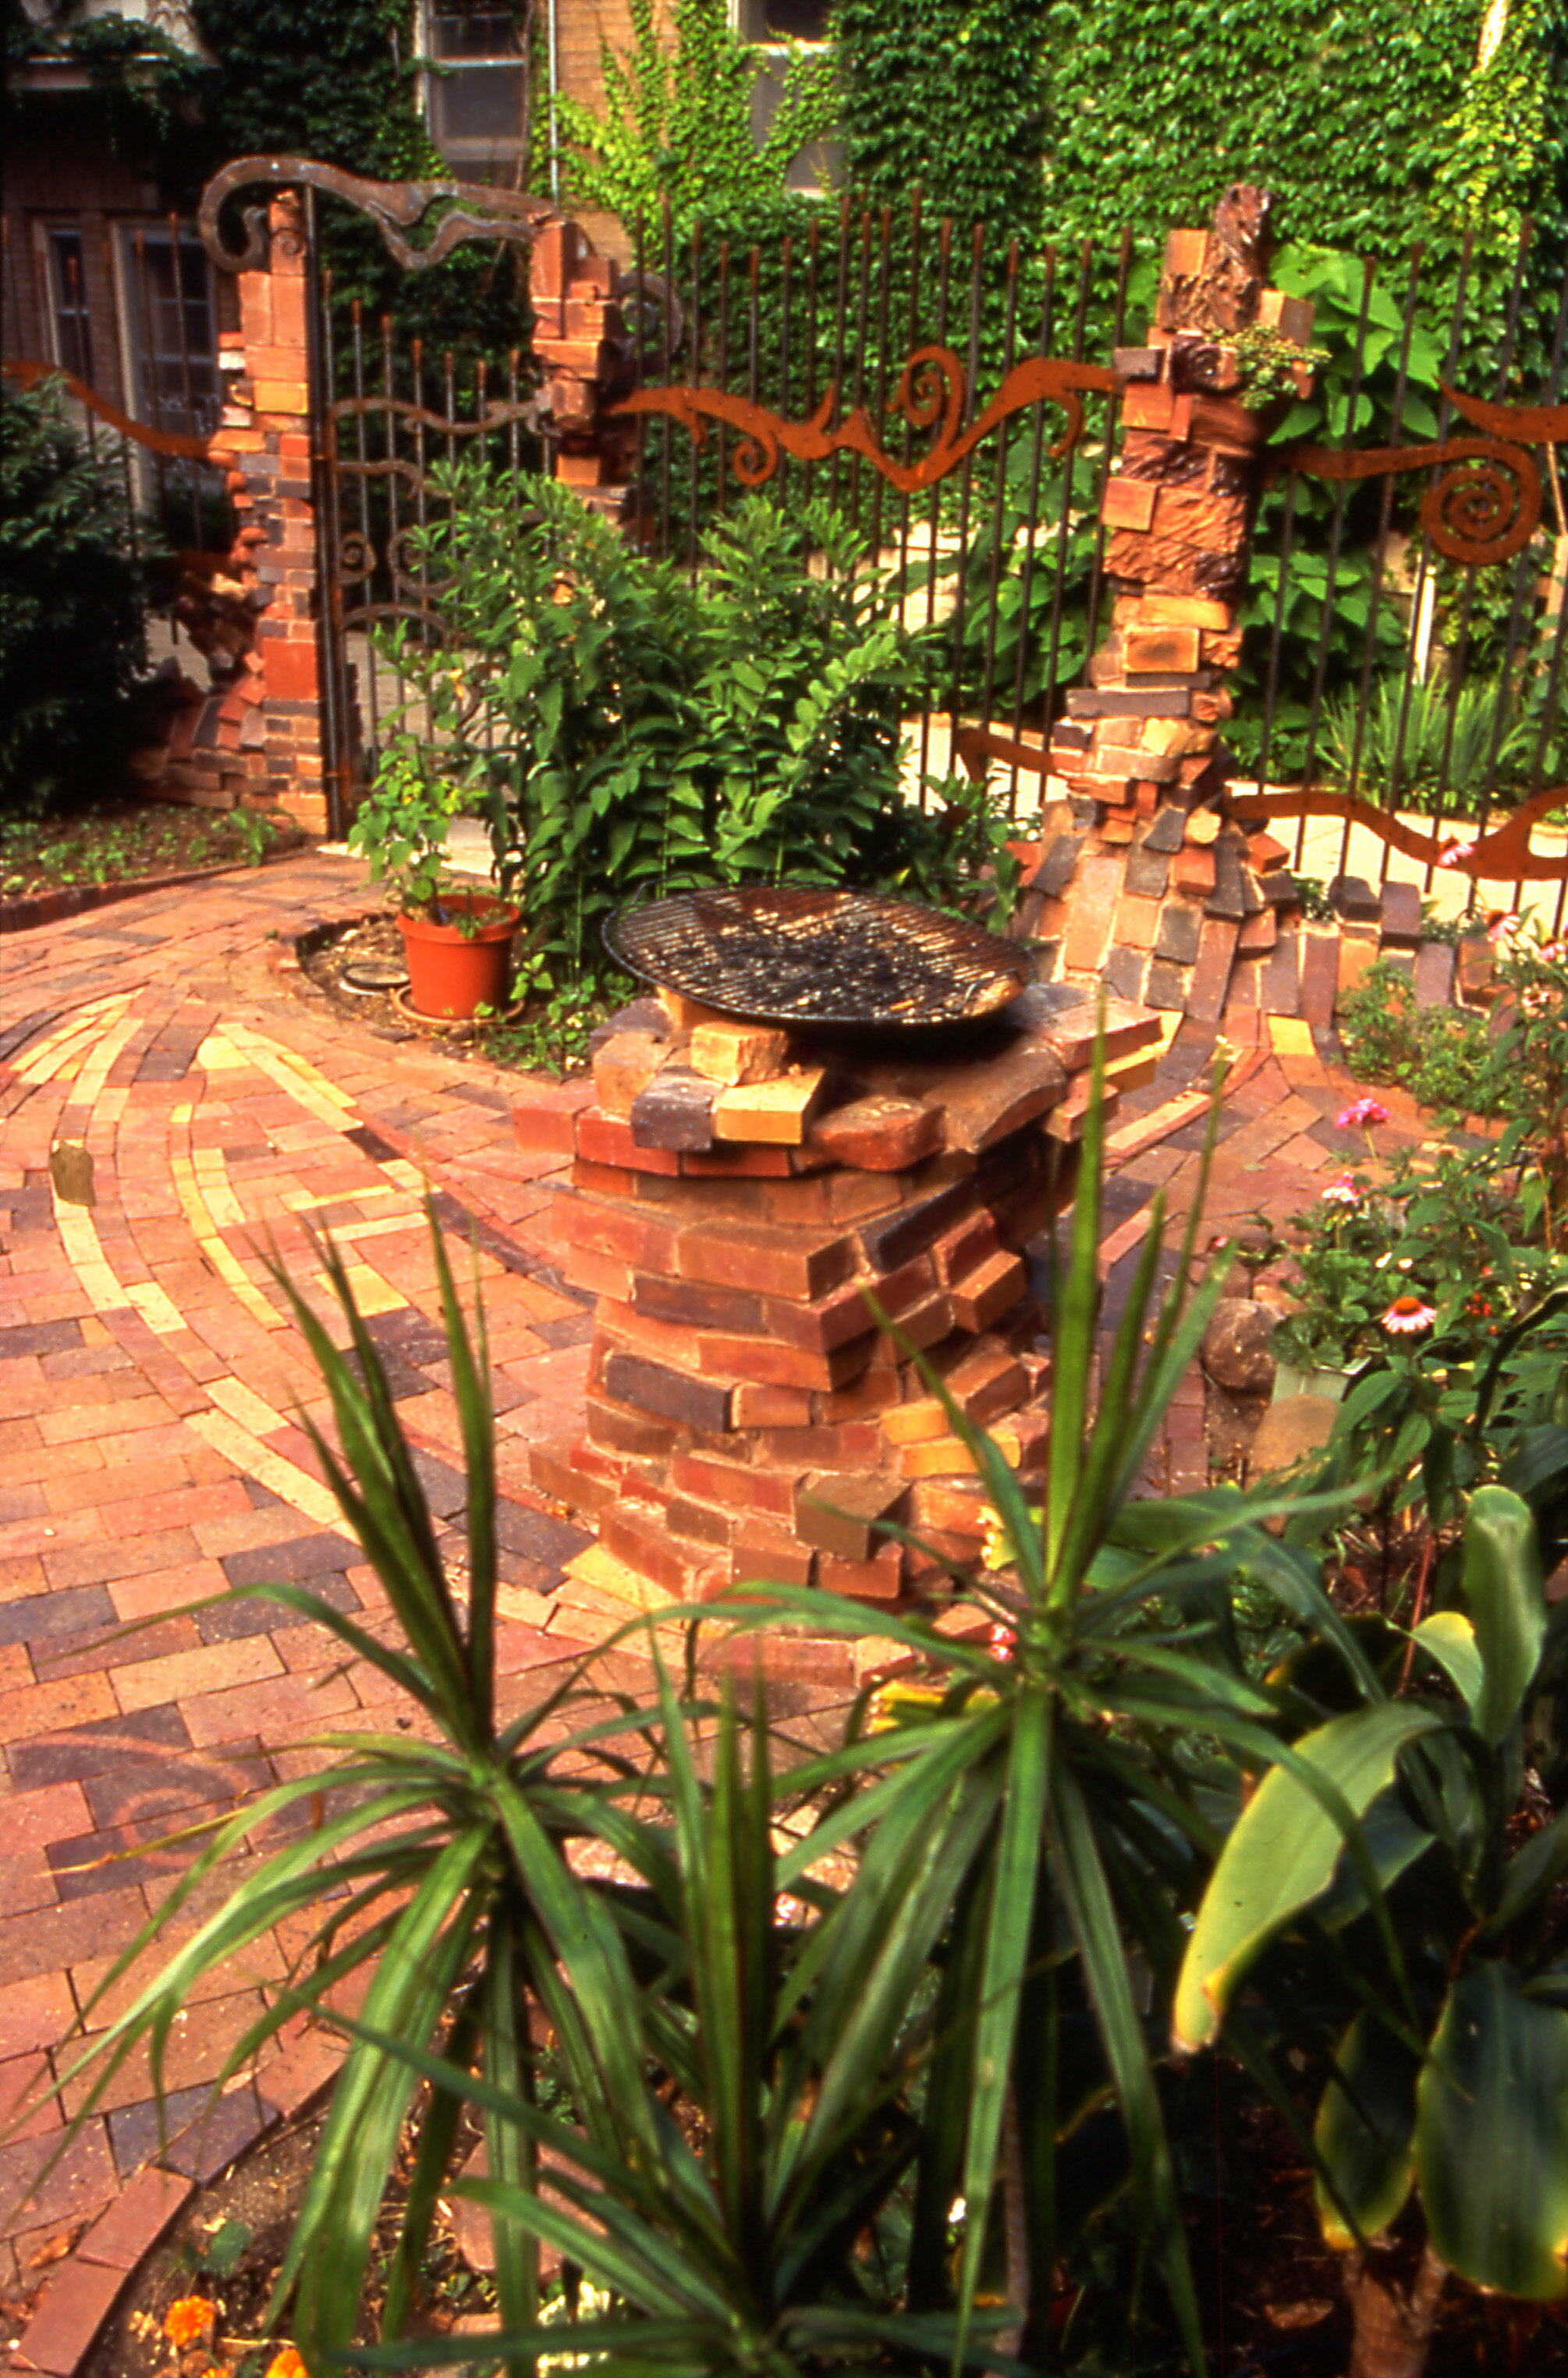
(150, 1452)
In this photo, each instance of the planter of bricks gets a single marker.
(459, 954)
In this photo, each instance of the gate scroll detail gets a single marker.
(1486, 505)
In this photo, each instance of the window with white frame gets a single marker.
(476, 89)
(770, 26)
(71, 329)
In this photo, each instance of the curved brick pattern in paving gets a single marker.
(152, 1454)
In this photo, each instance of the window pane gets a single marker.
(477, 108)
(783, 20)
(477, 34)
(73, 343)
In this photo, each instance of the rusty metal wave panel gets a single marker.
(1502, 856)
(477, 213)
(933, 389)
(28, 371)
(1486, 505)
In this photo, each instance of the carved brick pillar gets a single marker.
(579, 339)
(271, 720)
(1145, 881)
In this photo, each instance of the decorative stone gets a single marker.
(1352, 896)
(1402, 915)
(1123, 972)
(675, 1112)
(1147, 874)
(1235, 1349)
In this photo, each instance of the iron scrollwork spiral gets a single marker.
(1485, 504)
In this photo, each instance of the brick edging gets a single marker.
(84, 2289)
(79, 899)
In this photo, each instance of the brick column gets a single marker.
(1144, 880)
(269, 727)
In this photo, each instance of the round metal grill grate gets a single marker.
(790, 955)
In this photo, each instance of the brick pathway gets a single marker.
(150, 1378)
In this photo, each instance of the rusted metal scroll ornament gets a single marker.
(1486, 505)
(476, 212)
(933, 389)
(28, 370)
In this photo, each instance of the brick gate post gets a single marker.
(273, 719)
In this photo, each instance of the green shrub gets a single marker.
(1442, 1055)
(629, 730)
(71, 638)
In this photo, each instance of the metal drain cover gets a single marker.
(368, 975)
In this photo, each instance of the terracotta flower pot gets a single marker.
(454, 969)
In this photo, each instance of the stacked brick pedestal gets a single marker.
(1143, 878)
(736, 1201)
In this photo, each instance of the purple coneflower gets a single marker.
(1341, 1192)
(1406, 1314)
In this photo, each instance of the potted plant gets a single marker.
(458, 938)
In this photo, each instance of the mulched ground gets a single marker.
(128, 841)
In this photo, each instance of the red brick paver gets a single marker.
(151, 1376)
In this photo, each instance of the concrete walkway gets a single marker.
(150, 1452)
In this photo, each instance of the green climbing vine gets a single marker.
(677, 125)
(947, 95)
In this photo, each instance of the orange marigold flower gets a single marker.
(287, 2364)
(188, 2318)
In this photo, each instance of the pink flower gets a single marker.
(1360, 1116)
(1501, 931)
(1406, 1314)
(1341, 1192)
(1453, 854)
(1002, 1642)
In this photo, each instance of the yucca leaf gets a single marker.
(1501, 1580)
(1093, 1915)
(470, 1376)
(1008, 1925)
(509, 2150)
(420, 1959)
(1073, 1330)
(1093, 1496)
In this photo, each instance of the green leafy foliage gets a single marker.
(72, 588)
(628, 729)
(676, 128)
(946, 96)
(1443, 1055)
(1451, 2071)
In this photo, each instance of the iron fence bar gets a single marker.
(1466, 600)
(1277, 638)
(840, 304)
(324, 485)
(1009, 330)
(1380, 548)
(638, 372)
(915, 226)
(722, 443)
(1096, 573)
(944, 261)
(862, 308)
(362, 427)
(754, 271)
(665, 358)
(884, 302)
(1522, 572)
(394, 530)
(1424, 558)
(1036, 460)
(1064, 518)
(1336, 531)
(966, 481)
(813, 247)
(692, 472)
(787, 266)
